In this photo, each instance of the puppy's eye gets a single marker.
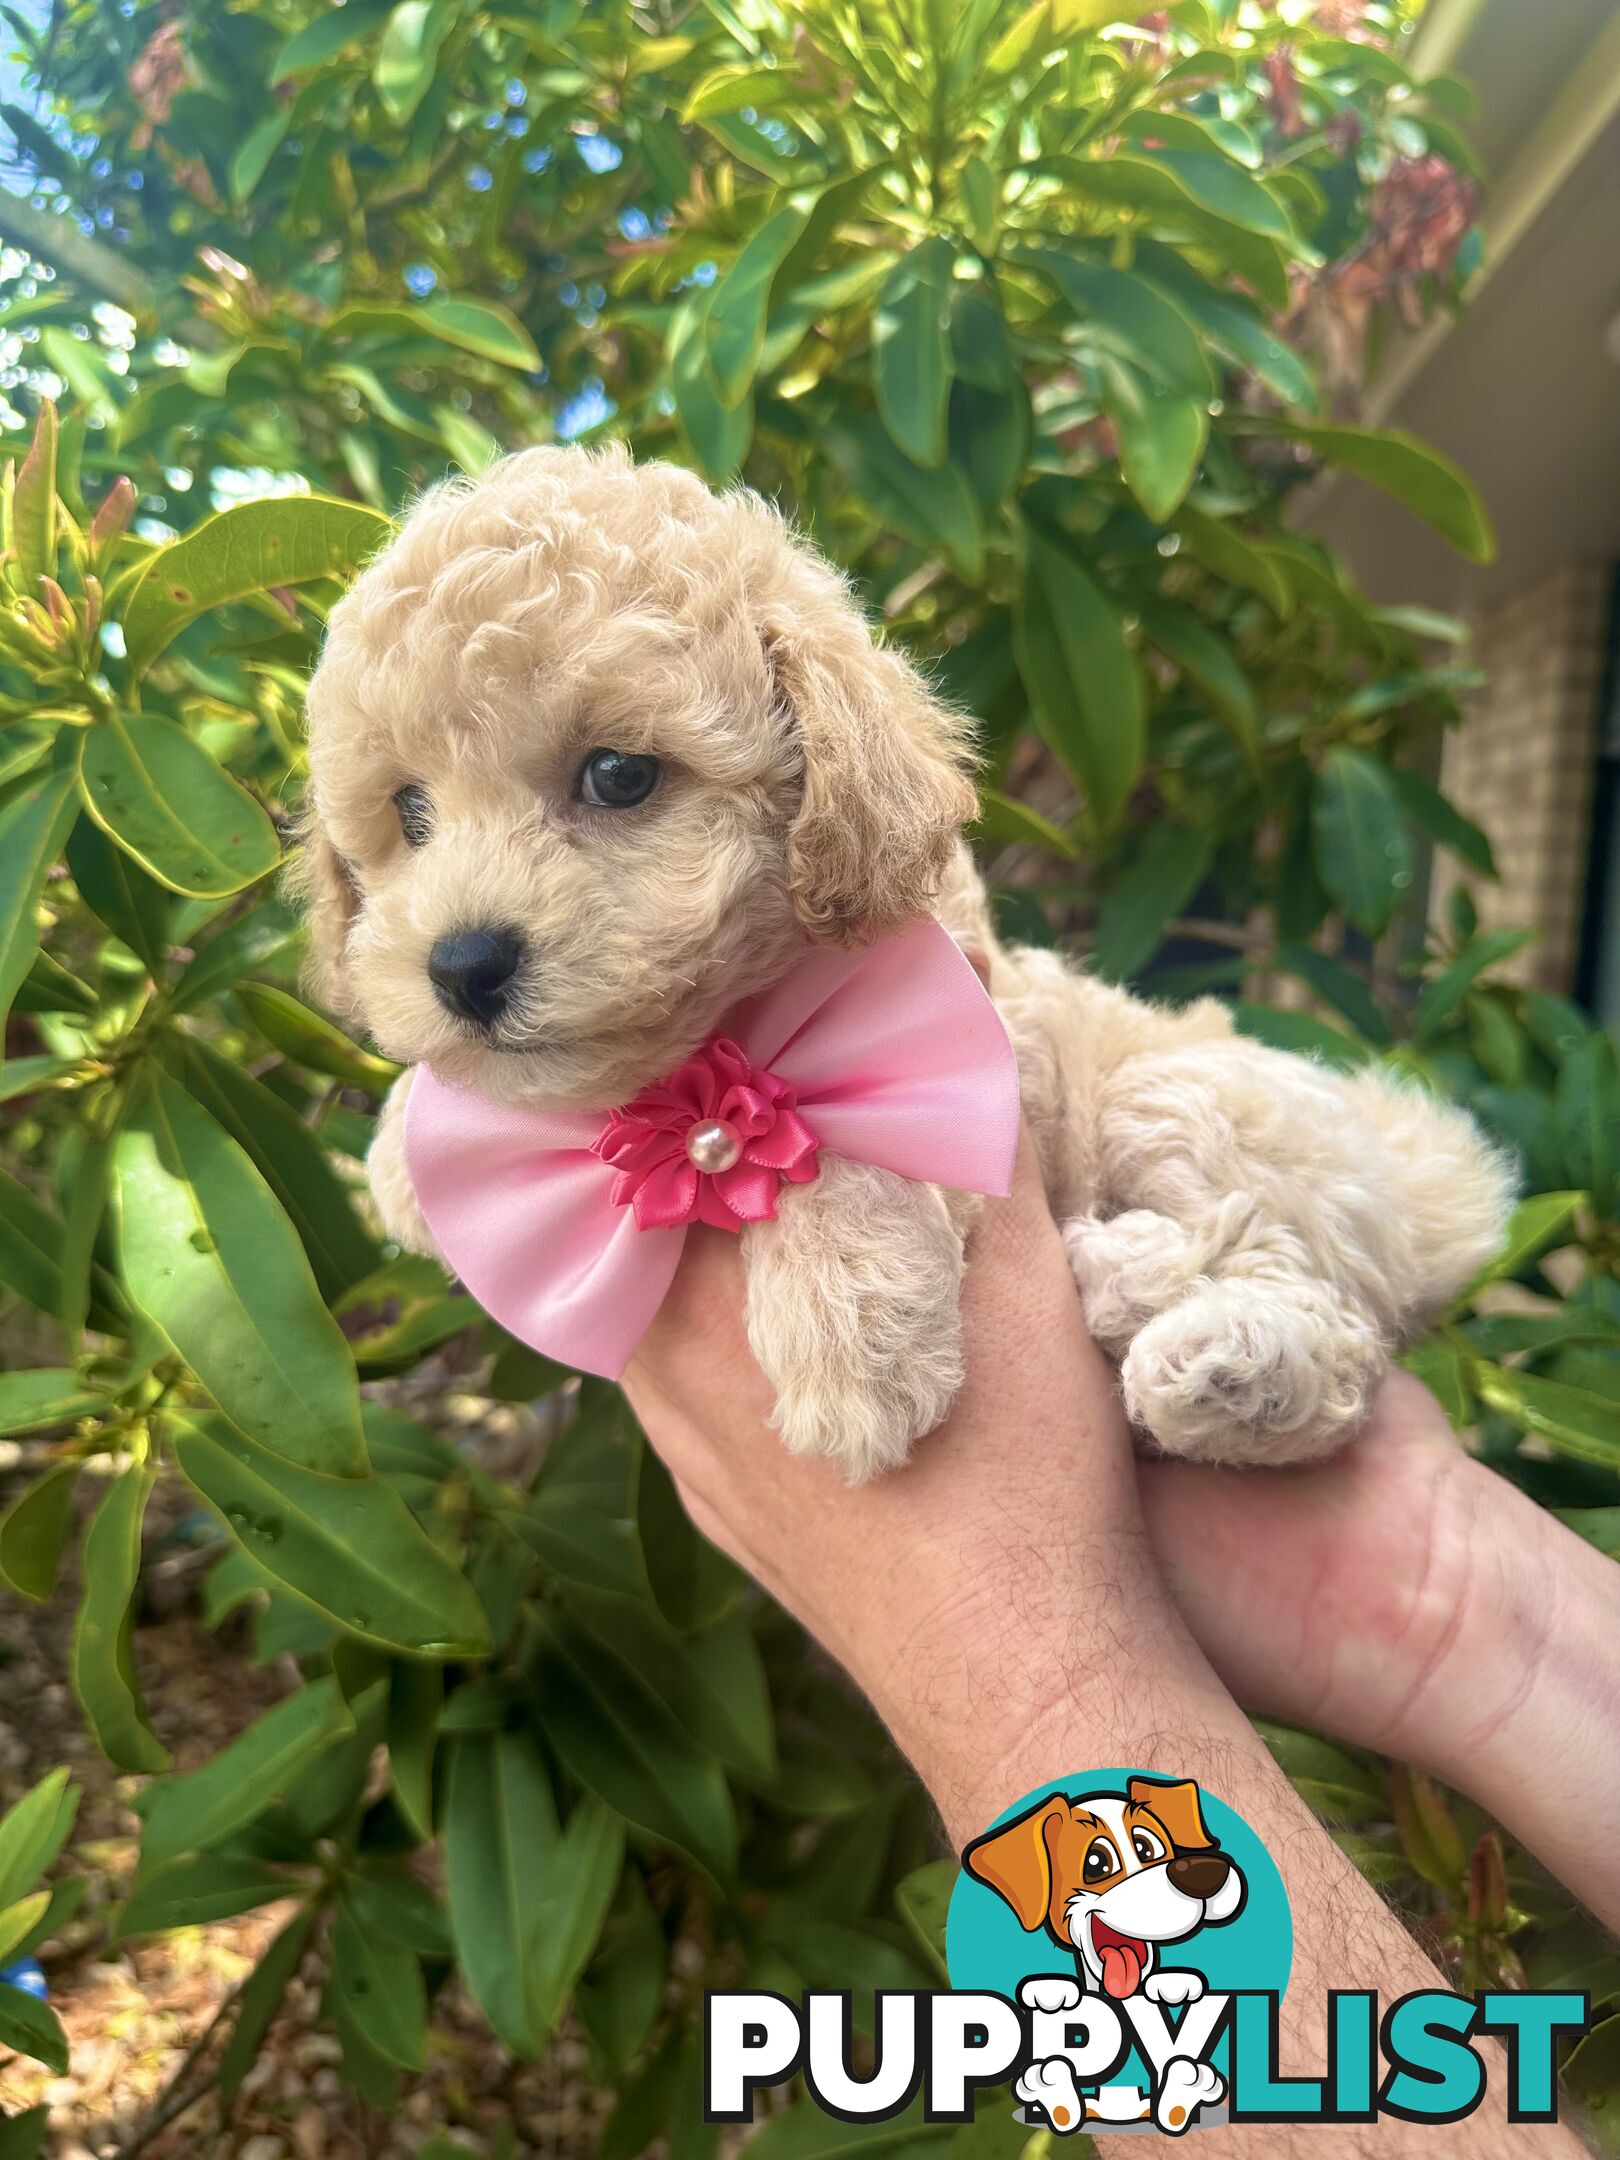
(415, 813)
(618, 779)
(1101, 1859)
(1146, 1847)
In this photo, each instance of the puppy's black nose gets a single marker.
(472, 971)
(1199, 1874)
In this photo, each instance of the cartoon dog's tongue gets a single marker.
(1122, 1959)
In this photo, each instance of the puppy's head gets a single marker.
(1110, 1877)
(593, 754)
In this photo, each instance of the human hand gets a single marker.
(969, 1592)
(1406, 1598)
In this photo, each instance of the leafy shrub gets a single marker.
(990, 295)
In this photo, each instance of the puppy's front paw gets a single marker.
(1173, 1987)
(1051, 1992)
(852, 1314)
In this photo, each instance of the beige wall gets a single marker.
(1523, 761)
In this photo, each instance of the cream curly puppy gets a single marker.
(595, 753)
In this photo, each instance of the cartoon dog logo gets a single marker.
(1111, 1878)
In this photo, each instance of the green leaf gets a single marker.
(1415, 474)
(266, 929)
(1574, 1420)
(482, 327)
(911, 351)
(1208, 662)
(34, 1831)
(248, 549)
(734, 319)
(32, 2028)
(1003, 817)
(1300, 1033)
(1169, 868)
(622, 1743)
(619, 1993)
(1535, 1226)
(719, 434)
(1082, 678)
(234, 1787)
(1443, 1369)
(1257, 241)
(22, 2136)
(1161, 437)
(1442, 821)
(260, 1996)
(805, 2131)
(1124, 316)
(1223, 550)
(327, 34)
(1232, 323)
(380, 1982)
(712, 1681)
(104, 1676)
(34, 1532)
(527, 1900)
(257, 148)
(167, 803)
(1587, 1103)
(933, 507)
(408, 54)
(49, 1395)
(415, 1698)
(1442, 997)
(922, 1899)
(290, 1158)
(190, 1892)
(350, 1546)
(693, 1584)
(210, 1257)
(34, 823)
(1361, 845)
(311, 1041)
(33, 505)
(133, 906)
(1334, 983)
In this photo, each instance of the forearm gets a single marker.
(1130, 1687)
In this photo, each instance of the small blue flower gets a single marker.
(420, 279)
(598, 152)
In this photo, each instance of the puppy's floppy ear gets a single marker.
(1016, 1861)
(885, 787)
(1177, 1806)
(323, 884)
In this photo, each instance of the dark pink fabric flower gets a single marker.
(646, 1143)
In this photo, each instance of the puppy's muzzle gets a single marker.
(1199, 1875)
(472, 972)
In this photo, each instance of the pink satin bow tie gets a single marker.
(567, 1226)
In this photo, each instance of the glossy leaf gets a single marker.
(34, 1533)
(104, 1677)
(241, 551)
(33, 1832)
(210, 1256)
(1587, 1102)
(911, 351)
(32, 2028)
(34, 822)
(1415, 475)
(350, 1546)
(1573, 1420)
(1362, 849)
(1170, 867)
(157, 792)
(1212, 668)
(309, 1040)
(1082, 678)
(380, 1982)
(259, 2000)
(482, 327)
(403, 69)
(247, 1776)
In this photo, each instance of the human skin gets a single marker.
(1000, 1602)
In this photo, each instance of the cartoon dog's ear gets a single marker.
(885, 787)
(1177, 1806)
(322, 882)
(1016, 1861)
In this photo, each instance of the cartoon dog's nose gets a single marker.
(472, 971)
(1199, 1874)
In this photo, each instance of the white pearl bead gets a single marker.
(716, 1145)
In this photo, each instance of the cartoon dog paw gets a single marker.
(1050, 2085)
(1050, 1992)
(1173, 1987)
(1185, 2087)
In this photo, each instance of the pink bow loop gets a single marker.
(567, 1226)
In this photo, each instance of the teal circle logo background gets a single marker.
(986, 1948)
